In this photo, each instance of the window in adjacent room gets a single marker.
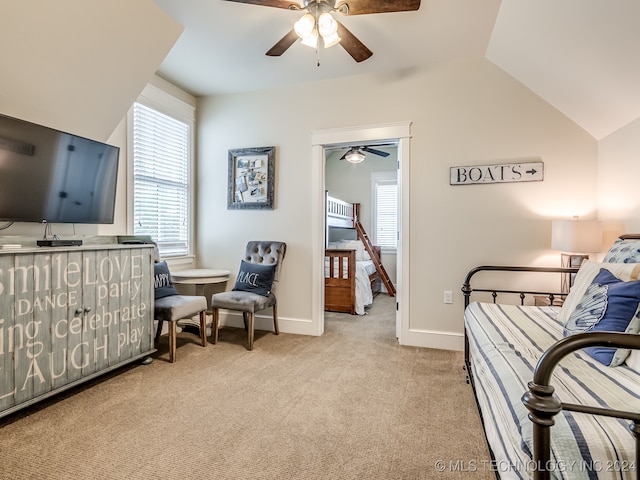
(162, 157)
(384, 188)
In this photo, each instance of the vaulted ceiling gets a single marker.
(579, 55)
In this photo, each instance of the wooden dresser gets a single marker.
(69, 314)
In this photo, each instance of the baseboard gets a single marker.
(265, 322)
(433, 339)
(414, 338)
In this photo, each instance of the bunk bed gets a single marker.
(352, 276)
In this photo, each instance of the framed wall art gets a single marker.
(251, 178)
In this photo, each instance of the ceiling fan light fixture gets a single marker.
(328, 28)
(354, 156)
(305, 26)
(327, 25)
(311, 40)
(330, 40)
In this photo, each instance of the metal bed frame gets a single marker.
(539, 399)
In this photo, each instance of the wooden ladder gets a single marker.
(362, 235)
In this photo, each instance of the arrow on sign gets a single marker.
(533, 171)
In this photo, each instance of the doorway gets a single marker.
(370, 180)
(398, 134)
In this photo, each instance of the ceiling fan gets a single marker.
(318, 19)
(357, 154)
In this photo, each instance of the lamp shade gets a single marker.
(576, 236)
(305, 25)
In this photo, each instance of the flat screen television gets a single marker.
(50, 176)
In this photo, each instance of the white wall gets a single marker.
(465, 113)
(618, 173)
(78, 66)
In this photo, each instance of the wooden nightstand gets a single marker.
(543, 301)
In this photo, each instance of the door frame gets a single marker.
(398, 132)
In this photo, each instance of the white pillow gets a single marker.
(588, 271)
(633, 360)
(358, 246)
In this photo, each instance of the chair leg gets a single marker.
(215, 316)
(158, 331)
(172, 341)
(275, 320)
(250, 316)
(244, 319)
(203, 327)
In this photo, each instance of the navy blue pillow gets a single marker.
(162, 284)
(255, 278)
(609, 304)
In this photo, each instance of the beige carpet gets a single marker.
(351, 404)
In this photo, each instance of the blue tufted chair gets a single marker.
(172, 307)
(168, 306)
(257, 253)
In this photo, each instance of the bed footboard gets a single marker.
(340, 281)
(543, 405)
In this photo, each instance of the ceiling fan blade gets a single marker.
(352, 45)
(376, 152)
(286, 4)
(284, 43)
(361, 7)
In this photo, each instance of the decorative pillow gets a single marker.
(255, 278)
(608, 305)
(633, 360)
(623, 251)
(163, 286)
(584, 277)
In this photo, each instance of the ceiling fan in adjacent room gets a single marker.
(318, 22)
(357, 154)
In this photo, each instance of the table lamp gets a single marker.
(576, 239)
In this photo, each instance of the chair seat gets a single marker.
(242, 301)
(177, 307)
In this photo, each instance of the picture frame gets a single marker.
(251, 178)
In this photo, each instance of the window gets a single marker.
(161, 153)
(384, 188)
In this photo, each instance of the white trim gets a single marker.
(162, 101)
(365, 133)
(400, 132)
(434, 339)
(265, 323)
(402, 265)
(317, 239)
(167, 103)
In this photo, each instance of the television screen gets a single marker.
(55, 177)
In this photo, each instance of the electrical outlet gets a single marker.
(448, 296)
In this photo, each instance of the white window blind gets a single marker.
(161, 179)
(385, 215)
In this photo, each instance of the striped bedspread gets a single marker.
(505, 344)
